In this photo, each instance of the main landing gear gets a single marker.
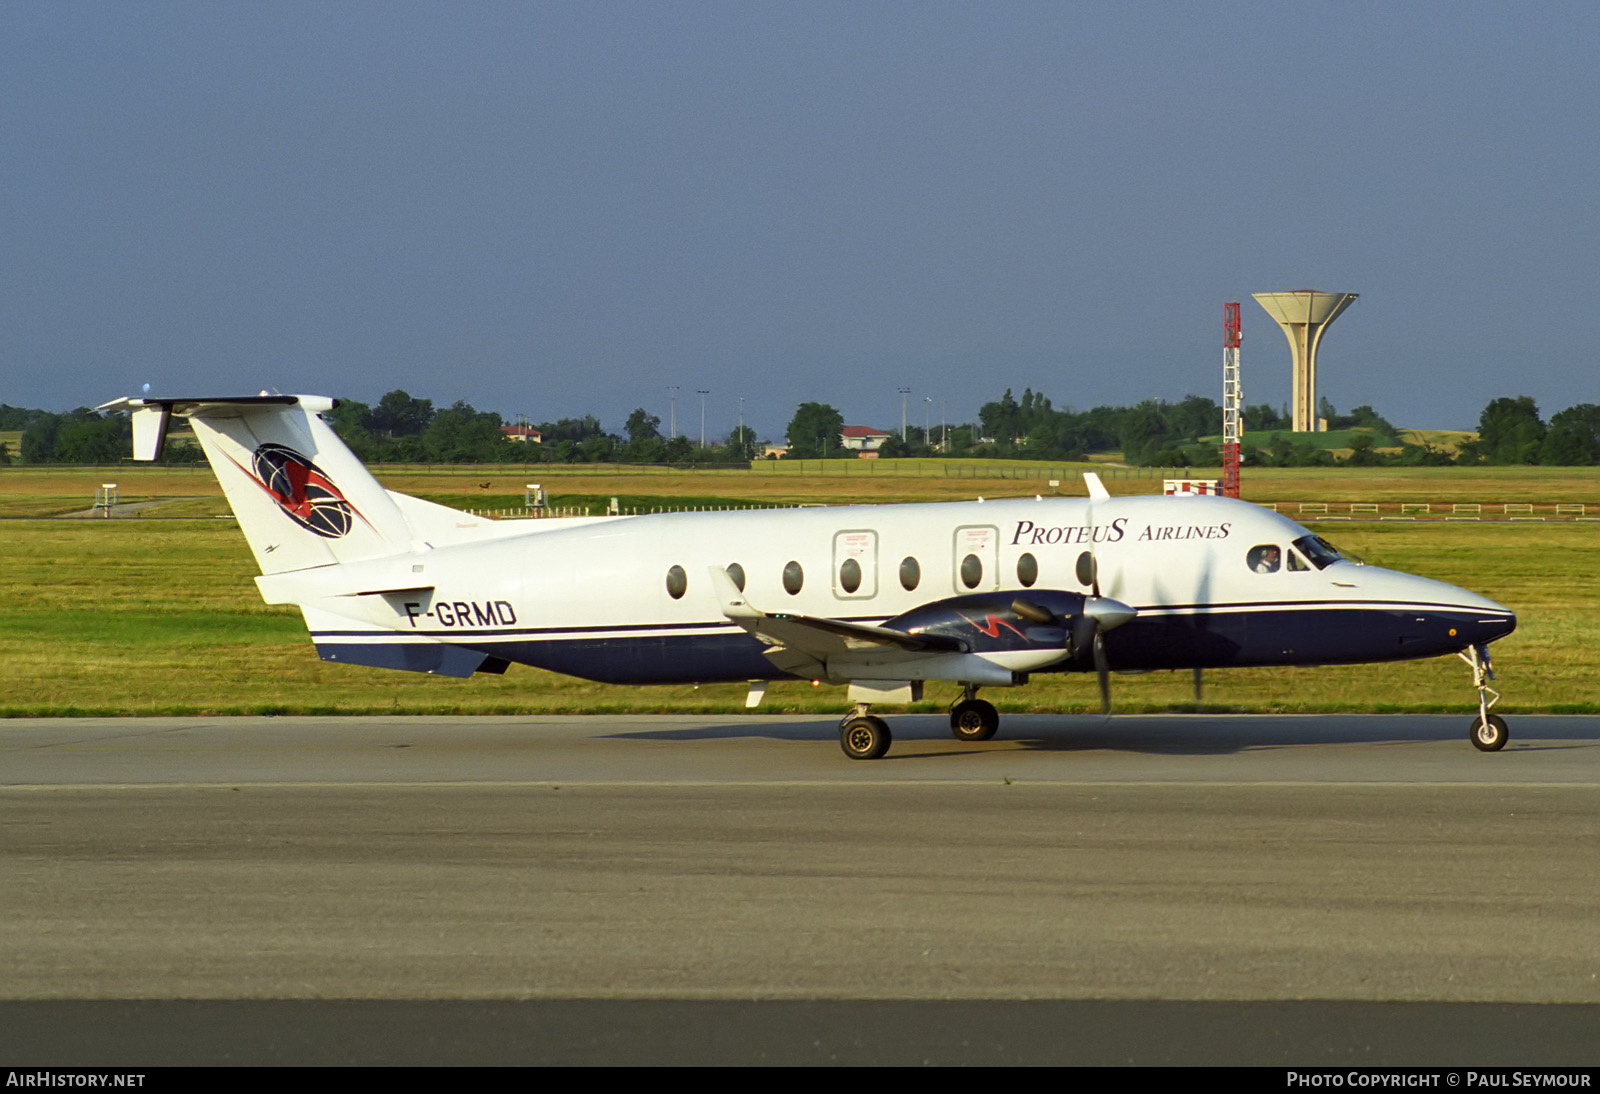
(972, 719)
(865, 736)
(1489, 732)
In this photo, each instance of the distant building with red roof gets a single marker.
(862, 439)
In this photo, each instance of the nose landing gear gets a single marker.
(1489, 732)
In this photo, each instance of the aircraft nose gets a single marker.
(1449, 615)
(1493, 627)
(1477, 619)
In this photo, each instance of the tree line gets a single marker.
(1153, 433)
(404, 429)
(1511, 431)
(78, 436)
(1188, 433)
(401, 428)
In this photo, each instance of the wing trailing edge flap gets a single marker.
(819, 647)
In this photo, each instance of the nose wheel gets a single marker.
(1489, 732)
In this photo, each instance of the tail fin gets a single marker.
(302, 497)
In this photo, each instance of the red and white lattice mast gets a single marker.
(1232, 398)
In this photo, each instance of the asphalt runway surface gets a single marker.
(1315, 890)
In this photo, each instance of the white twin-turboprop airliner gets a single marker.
(884, 598)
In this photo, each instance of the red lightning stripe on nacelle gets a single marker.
(994, 624)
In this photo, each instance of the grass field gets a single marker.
(162, 617)
(53, 491)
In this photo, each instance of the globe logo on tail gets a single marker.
(302, 491)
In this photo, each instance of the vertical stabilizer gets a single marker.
(302, 497)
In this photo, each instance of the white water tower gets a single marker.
(1305, 316)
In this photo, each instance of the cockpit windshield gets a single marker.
(1321, 553)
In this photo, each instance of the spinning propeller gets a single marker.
(1100, 613)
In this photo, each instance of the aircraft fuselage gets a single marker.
(631, 599)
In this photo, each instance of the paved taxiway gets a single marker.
(1210, 860)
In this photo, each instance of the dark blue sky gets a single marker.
(555, 209)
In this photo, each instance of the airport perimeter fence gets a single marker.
(1303, 511)
(961, 469)
(1035, 472)
(548, 512)
(1300, 510)
(1435, 511)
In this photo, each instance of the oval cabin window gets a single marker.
(1027, 570)
(677, 583)
(910, 574)
(793, 578)
(736, 572)
(850, 575)
(971, 571)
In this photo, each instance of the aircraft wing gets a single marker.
(802, 644)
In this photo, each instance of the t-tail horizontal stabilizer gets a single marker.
(302, 497)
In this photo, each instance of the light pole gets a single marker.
(702, 392)
(744, 447)
(903, 393)
(672, 393)
(927, 405)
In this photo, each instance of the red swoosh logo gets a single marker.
(994, 623)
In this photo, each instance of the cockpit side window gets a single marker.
(1264, 559)
(1296, 563)
(1321, 553)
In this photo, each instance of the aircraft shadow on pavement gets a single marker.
(1168, 734)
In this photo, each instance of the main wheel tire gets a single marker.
(865, 738)
(974, 720)
(1490, 735)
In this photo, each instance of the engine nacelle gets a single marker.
(999, 622)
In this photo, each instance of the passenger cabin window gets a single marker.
(975, 557)
(910, 574)
(736, 572)
(793, 578)
(677, 583)
(855, 562)
(1027, 570)
(850, 575)
(1086, 569)
(1264, 559)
